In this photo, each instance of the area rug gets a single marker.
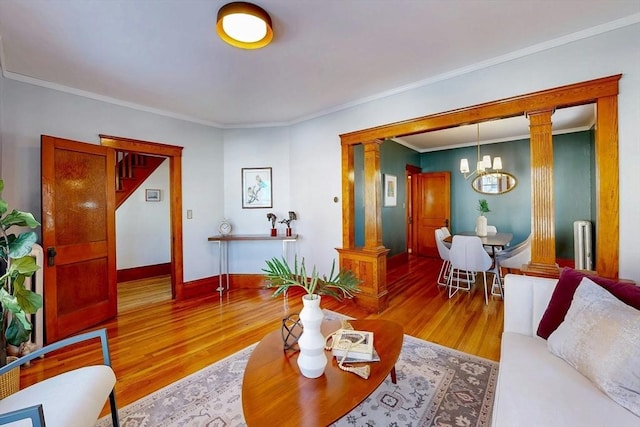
(436, 386)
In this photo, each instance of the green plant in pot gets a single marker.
(16, 302)
(280, 276)
(481, 221)
(343, 284)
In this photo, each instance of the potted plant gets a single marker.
(343, 284)
(16, 302)
(481, 221)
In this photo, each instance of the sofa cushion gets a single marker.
(71, 399)
(537, 389)
(563, 294)
(600, 337)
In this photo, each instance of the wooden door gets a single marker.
(78, 235)
(432, 204)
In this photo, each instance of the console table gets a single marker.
(223, 250)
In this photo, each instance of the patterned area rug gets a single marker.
(436, 386)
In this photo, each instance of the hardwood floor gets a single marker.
(163, 342)
(137, 294)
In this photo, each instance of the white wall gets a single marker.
(30, 111)
(256, 148)
(306, 157)
(143, 228)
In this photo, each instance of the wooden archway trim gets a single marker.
(174, 153)
(560, 97)
(603, 92)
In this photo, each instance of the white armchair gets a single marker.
(71, 399)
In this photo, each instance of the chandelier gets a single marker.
(483, 164)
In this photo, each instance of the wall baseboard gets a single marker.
(146, 271)
(209, 285)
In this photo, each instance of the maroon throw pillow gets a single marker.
(563, 295)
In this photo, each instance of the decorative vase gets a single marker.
(481, 226)
(311, 359)
(288, 232)
(274, 232)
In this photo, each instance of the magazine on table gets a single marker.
(355, 344)
(374, 358)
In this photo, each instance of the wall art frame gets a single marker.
(152, 195)
(257, 192)
(390, 190)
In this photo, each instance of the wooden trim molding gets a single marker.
(538, 106)
(174, 153)
(143, 272)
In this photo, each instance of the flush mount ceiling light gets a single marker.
(244, 25)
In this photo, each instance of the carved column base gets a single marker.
(370, 266)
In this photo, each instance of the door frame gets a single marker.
(174, 153)
(603, 92)
(410, 183)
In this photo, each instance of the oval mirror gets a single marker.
(494, 183)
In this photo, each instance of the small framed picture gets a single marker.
(152, 195)
(256, 188)
(390, 190)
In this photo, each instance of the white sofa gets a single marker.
(535, 387)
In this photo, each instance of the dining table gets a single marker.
(493, 240)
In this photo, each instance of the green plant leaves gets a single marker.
(22, 245)
(16, 301)
(483, 206)
(19, 329)
(19, 218)
(279, 275)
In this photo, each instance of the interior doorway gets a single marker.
(143, 232)
(165, 286)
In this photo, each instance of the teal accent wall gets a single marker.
(510, 211)
(573, 187)
(393, 160)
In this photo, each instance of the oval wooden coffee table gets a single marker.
(274, 392)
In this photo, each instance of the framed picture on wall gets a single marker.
(152, 195)
(256, 188)
(390, 190)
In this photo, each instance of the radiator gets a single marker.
(582, 245)
(35, 283)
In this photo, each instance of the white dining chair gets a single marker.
(491, 229)
(512, 257)
(467, 255)
(443, 251)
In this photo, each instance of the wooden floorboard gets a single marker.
(157, 344)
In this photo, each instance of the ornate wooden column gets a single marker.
(607, 184)
(543, 244)
(370, 262)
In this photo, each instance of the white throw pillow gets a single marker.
(600, 337)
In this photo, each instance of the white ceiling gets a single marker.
(164, 56)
